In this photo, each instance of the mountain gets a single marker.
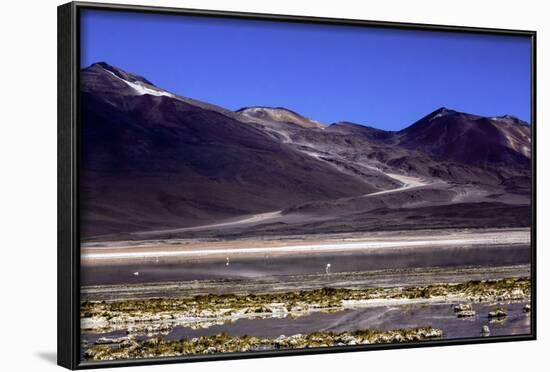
(363, 131)
(155, 164)
(152, 159)
(470, 139)
(279, 115)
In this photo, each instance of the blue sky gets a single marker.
(386, 78)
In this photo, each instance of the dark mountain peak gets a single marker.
(469, 138)
(449, 117)
(279, 114)
(441, 115)
(107, 80)
(105, 67)
(441, 112)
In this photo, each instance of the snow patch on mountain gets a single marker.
(141, 89)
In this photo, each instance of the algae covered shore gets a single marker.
(142, 328)
(192, 311)
(224, 343)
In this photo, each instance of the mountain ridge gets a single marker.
(192, 163)
(442, 111)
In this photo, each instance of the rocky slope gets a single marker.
(153, 160)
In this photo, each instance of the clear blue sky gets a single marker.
(386, 78)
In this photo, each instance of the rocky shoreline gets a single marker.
(130, 348)
(159, 316)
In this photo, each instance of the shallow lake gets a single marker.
(235, 268)
(439, 315)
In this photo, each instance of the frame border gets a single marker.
(68, 250)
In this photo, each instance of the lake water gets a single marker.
(350, 270)
(383, 318)
(238, 269)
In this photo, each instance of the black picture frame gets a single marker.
(68, 322)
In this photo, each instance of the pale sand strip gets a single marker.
(494, 238)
